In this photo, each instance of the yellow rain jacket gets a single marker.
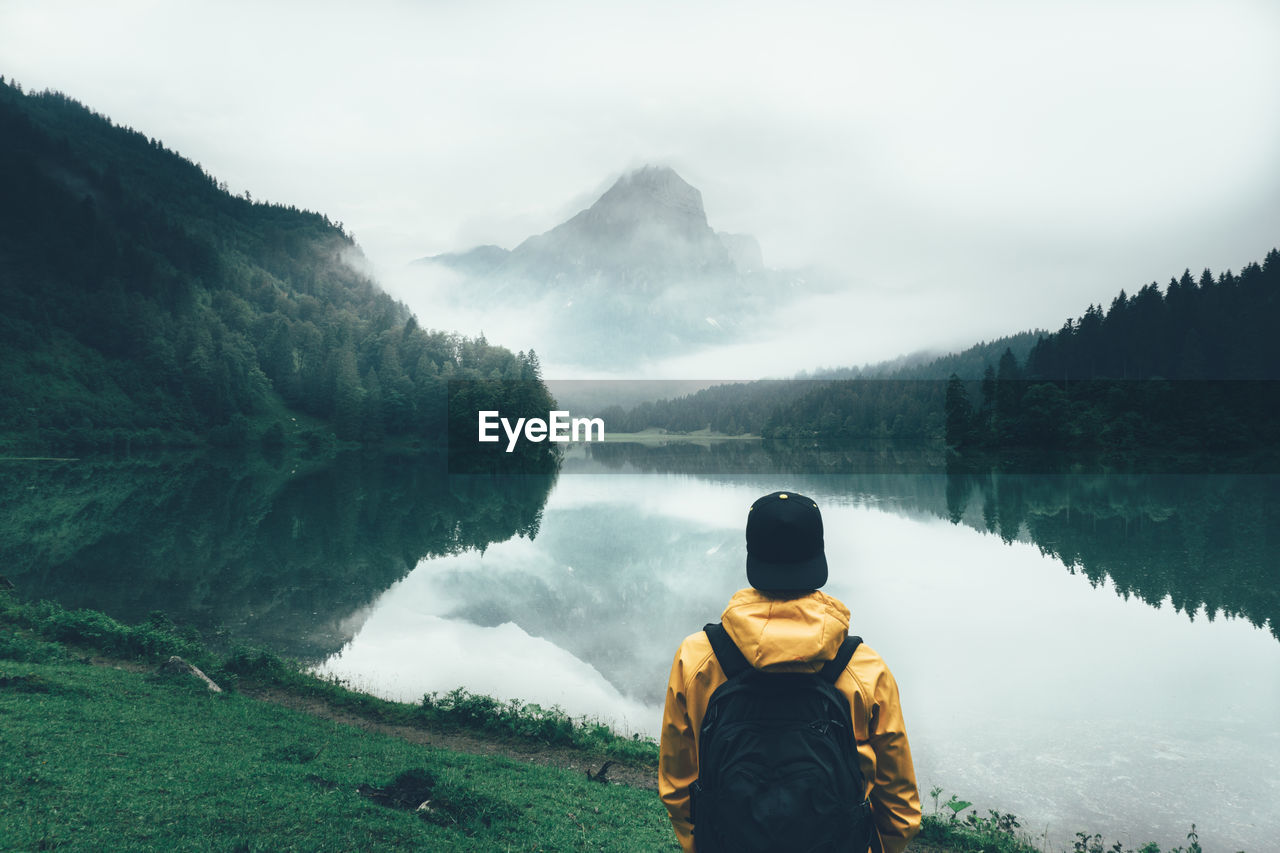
(792, 634)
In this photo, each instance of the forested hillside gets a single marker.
(1193, 367)
(1213, 328)
(967, 364)
(142, 303)
(898, 399)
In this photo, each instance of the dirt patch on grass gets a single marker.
(459, 741)
(565, 758)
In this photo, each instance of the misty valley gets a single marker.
(216, 420)
(1062, 641)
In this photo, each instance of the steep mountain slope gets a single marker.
(649, 227)
(139, 301)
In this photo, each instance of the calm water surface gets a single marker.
(1051, 636)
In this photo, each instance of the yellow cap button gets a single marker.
(782, 497)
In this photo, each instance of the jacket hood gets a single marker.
(772, 631)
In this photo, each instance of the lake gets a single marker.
(1091, 651)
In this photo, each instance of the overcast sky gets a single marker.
(987, 166)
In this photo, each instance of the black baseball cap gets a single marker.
(784, 544)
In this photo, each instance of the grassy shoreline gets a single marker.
(104, 757)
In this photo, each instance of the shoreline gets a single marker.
(80, 654)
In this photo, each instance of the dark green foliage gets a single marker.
(1193, 369)
(513, 399)
(526, 721)
(143, 304)
(1196, 369)
(1211, 328)
(899, 399)
(1131, 417)
(830, 409)
(732, 409)
(273, 436)
(152, 640)
(903, 399)
(847, 409)
(24, 684)
(246, 545)
(961, 419)
(1205, 544)
(21, 647)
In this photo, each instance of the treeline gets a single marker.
(732, 409)
(1194, 367)
(967, 364)
(144, 303)
(1213, 328)
(900, 400)
(1148, 373)
(796, 408)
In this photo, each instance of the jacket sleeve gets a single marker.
(895, 798)
(678, 754)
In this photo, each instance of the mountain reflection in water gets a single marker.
(1092, 651)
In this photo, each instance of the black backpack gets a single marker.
(777, 765)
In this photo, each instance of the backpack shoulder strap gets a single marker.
(731, 659)
(831, 671)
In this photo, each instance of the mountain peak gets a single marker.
(648, 229)
(650, 193)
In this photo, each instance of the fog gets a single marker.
(860, 326)
(965, 171)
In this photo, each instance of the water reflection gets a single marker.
(1077, 699)
(281, 553)
(612, 574)
(1050, 633)
(1206, 543)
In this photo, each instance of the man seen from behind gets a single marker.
(792, 637)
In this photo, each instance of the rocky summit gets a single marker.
(649, 229)
(637, 275)
(653, 194)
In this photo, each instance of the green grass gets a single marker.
(35, 624)
(94, 758)
(97, 758)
